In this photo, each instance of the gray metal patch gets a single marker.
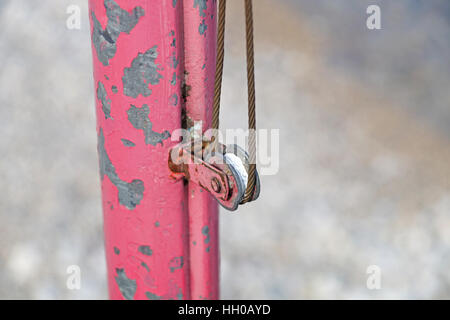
(126, 286)
(119, 21)
(143, 71)
(152, 296)
(201, 4)
(138, 117)
(106, 101)
(128, 143)
(202, 28)
(176, 263)
(129, 194)
(146, 250)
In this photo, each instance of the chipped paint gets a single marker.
(174, 99)
(138, 117)
(126, 152)
(145, 266)
(174, 61)
(202, 6)
(152, 296)
(126, 286)
(205, 232)
(142, 72)
(119, 20)
(199, 61)
(129, 194)
(106, 101)
(128, 143)
(145, 250)
(116, 250)
(202, 27)
(176, 263)
(174, 292)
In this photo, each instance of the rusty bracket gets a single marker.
(212, 174)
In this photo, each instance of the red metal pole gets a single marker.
(161, 237)
(137, 54)
(200, 58)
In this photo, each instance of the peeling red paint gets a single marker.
(163, 200)
(200, 59)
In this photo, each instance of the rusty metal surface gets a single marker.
(216, 175)
(195, 170)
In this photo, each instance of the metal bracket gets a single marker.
(212, 174)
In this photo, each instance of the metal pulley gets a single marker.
(221, 170)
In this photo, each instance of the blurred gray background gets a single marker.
(364, 179)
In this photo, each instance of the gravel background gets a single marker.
(364, 178)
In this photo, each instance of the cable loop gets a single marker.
(248, 196)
